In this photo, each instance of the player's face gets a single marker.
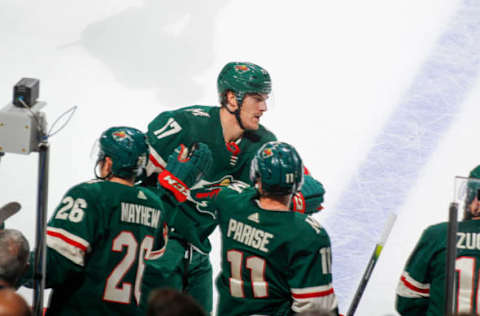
(475, 207)
(253, 107)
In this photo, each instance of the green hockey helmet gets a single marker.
(127, 147)
(242, 78)
(473, 187)
(279, 167)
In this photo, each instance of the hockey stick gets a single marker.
(371, 264)
(451, 257)
(8, 210)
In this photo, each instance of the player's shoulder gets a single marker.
(260, 136)
(193, 113)
(149, 193)
(435, 230)
(309, 229)
(235, 195)
(266, 133)
(191, 121)
(198, 111)
(237, 190)
(90, 187)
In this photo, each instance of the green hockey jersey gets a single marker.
(97, 242)
(231, 161)
(273, 262)
(421, 287)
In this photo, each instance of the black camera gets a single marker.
(22, 123)
(26, 90)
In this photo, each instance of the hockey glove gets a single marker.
(310, 199)
(185, 167)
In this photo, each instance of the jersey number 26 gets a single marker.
(116, 290)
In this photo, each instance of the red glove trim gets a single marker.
(183, 154)
(299, 204)
(306, 171)
(173, 184)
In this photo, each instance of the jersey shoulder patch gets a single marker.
(198, 111)
(198, 121)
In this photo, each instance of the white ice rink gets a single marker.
(380, 97)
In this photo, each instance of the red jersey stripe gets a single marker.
(313, 294)
(67, 240)
(155, 162)
(413, 287)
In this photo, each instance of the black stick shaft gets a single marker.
(365, 278)
(371, 264)
(451, 256)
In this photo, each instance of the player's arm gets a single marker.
(185, 167)
(164, 134)
(69, 235)
(310, 283)
(413, 290)
(309, 200)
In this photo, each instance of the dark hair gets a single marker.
(169, 302)
(14, 252)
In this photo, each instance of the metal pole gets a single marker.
(451, 256)
(40, 248)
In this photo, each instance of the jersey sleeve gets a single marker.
(170, 210)
(164, 134)
(413, 290)
(311, 277)
(71, 231)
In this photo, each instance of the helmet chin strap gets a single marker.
(237, 112)
(108, 176)
(239, 120)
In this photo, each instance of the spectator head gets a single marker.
(12, 304)
(14, 252)
(169, 302)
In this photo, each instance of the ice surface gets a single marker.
(379, 97)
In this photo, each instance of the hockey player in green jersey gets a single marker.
(274, 261)
(234, 134)
(101, 234)
(421, 289)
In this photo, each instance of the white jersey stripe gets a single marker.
(311, 298)
(155, 162)
(411, 288)
(313, 289)
(68, 245)
(156, 254)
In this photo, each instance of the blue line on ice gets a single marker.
(406, 143)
